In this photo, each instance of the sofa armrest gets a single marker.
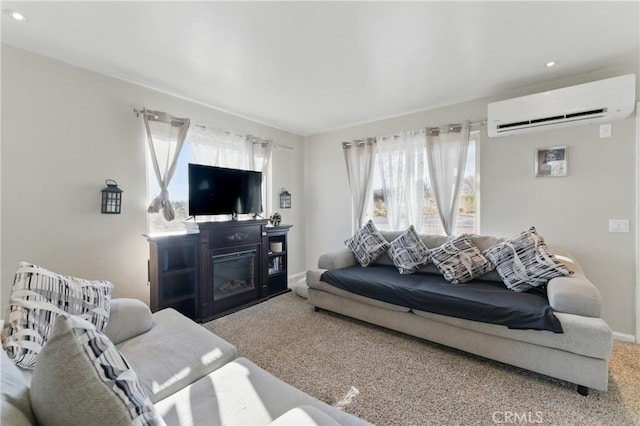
(128, 318)
(337, 259)
(574, 295)
(313, 277)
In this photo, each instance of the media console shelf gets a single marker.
(276, 281)
(222, 268)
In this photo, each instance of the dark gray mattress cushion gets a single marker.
(477, 300)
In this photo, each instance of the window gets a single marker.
(467, 207)
(203, 146)
(178, 188)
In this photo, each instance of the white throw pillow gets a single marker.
(408, 252)
(459, 260)
(367, 244)
(38, 297)
(523, 262)
(81, 378)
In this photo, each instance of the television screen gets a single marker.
(218, 190)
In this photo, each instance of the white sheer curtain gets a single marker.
(416, 174)
(359, 158)
(215, 147)
(401, 164)
(392, 166)
(261, 157)
(447, 148)
(171, 132)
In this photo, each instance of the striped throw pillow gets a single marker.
(459, 260)
(81, 378)
(367, 244)
(38, 297)
(524, 262)
(408, 252)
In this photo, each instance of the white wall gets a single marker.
(571, 212)
(64, 131)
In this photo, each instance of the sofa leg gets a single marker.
(583, 390)
(315, 308)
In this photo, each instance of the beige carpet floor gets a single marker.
(390, 378)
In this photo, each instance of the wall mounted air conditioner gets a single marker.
(602, 100)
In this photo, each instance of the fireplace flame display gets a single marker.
(233, 273)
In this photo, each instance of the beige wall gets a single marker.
(571, 212)
(64, 131)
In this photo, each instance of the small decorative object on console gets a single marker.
(275, 219)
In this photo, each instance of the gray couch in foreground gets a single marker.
(192, 377)
(579, 355)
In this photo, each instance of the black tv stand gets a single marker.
(184, 269)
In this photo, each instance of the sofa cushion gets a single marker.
(524, 262)
(81, 378)
(459, 260)
(16, 403)
(174, 353)
(314, 281)
(408, 252)
(240, 393)
(367, 244)
(38, 297)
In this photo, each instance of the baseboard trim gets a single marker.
(624, 337)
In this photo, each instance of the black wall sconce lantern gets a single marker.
(111, 198)
(285, 199)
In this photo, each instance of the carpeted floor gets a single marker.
(390, 378)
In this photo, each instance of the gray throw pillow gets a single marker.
(408, 252)
(524, 262)
(81, 378)
(367, 244)
(459, 260)
(38, 296)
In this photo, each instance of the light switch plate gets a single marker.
(618, 225)
(605, 130)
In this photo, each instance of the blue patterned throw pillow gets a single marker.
(367, 244)
(408, 252)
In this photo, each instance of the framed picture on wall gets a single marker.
(551, 162)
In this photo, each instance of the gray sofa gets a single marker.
(191, 376)
(579, 355)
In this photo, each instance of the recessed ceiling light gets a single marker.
(15, 15)
(551, 63)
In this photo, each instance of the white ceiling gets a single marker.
(309, 67)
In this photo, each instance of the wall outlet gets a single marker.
(618, 225)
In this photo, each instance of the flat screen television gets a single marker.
(219, 190)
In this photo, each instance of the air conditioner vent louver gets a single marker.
(542, 121)
(603, 100)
